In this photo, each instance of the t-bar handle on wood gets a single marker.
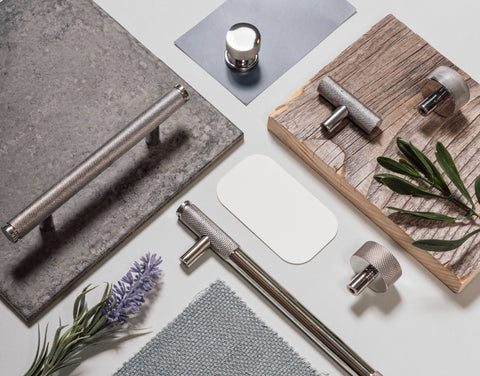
(39, 212)
(346, 105)
(213, 237)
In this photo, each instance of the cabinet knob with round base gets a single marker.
(444, 91)
(242, 46)
(376, 268)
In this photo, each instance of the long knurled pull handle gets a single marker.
(144, 126)
(214, 237)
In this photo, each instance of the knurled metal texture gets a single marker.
(383, 260)
(358, 113)
(70, 79)
(97, 162)
(201, 225)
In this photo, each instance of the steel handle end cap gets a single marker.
(11, 233)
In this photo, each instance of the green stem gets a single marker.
(467, 208)
(429, 183)
(470, 211)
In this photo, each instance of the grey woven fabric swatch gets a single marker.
(217, 335)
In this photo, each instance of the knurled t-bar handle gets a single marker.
(213, 237)
(144, 126)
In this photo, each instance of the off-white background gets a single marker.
(419, 328)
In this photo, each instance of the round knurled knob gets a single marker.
(242, 46)
(376, 268)
(445, 92)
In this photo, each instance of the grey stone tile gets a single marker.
(70, 78)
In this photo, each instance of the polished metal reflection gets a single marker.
(362, 279)
(445, 91)
(221, 243)
(242, 47)
(196, 251)
(10, 232)
(432, 101)
(335, 118)
(41, 208)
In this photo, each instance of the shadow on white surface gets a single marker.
(385, 302)
(467, 296)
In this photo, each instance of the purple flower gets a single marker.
(128, 294)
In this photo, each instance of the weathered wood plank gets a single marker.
(384, 69)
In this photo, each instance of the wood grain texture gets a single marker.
(384, 69)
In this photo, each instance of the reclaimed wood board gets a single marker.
(383, 69)
(71, 78)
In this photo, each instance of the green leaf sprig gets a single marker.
(104, 321)
(418, 168)
(88, 328)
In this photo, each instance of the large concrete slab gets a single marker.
(70, 78)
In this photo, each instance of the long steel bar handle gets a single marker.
(213, 237)
(144, 126)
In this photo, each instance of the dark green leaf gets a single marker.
(477, 188)
(428, 215)
(406, 148)
(403, 187)
(423, 164)
(433, 174)
(394, 166)
(407, 164)
(422, 158)
(438, 245)
(445, 160)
